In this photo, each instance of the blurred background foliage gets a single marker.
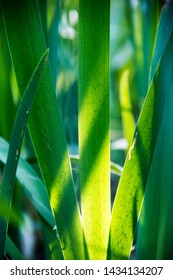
(133, 25)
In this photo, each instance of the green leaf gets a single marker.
(156, 243)
(6, 190)
(11, 251)
(53, 239)
(26, 42)
(126, 107)
(114, 167)
(164, 31)
(154, 235)
(6, 101)
(150, 18)
(94, 138)
(38, 196)
(32, 185)
(137, 166)
(155, 227)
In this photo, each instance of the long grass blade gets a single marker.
(150, 17)
(11, 251)
(154, 232)
(155, 228)
(164, 31)
(94, 140)
(6, 190)
(133, 181)
(32, 185)
(26, 41)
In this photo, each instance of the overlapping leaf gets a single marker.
(136, 170)
(6, 190)
(26, 42)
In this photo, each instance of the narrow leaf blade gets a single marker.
(94, 138)
(45, 124)
(137, 166)
(6, 190)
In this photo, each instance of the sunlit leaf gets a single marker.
(126, 107)
(27, 43)
(133, 181)
(155, 228)
(94, 138)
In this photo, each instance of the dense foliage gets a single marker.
(93, 166)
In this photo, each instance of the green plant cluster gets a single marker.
(85, 88)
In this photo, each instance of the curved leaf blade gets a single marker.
(11, 251)
(6, 190)
(164, 31)
(137, 166)
(33, 186)
(27, 43)
(155, 227)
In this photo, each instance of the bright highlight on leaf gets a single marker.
(137, 166)
(158, 244)
(94, 139)
(126, 107)
(32, 185)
